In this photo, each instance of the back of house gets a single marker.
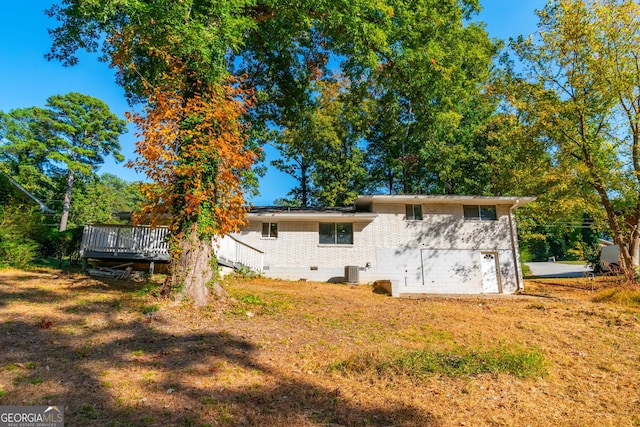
(421, 244)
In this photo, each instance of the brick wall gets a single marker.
(394, 249)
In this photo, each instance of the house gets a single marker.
(422, 244)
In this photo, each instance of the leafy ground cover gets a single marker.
(308, 354)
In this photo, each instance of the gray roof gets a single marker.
(267, 213)
(295, 209)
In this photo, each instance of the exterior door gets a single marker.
(490, 279)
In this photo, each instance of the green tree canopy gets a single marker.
(68, 137)
(100, 198)
(424, 87)
(578, 92)
(322, 150)
(81, 131)
(24, 149)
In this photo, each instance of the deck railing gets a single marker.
(146, 243)
(234, 253)
(125, 242)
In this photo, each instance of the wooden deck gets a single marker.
(141, 243)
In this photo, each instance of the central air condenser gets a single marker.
(351, 274)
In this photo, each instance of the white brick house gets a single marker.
(422, 244)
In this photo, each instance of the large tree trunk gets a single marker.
(194, 268)
(66, 205)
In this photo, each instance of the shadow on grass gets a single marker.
(190, 374)
(8, 292)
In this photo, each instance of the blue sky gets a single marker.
(27, 79)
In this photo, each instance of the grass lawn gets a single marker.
(566, 353)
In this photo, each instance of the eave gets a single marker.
(312, 216)
(363, 203)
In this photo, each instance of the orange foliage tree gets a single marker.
(176, 57)
(172, 56)
(195, 153)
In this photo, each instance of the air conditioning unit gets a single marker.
(352, 274)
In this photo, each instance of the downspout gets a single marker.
(514, 250)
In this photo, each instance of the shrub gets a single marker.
(592, 256)
(61, 244)
(18, 229)
(19, 253)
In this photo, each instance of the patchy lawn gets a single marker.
(310, 354)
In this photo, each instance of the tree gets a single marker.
(81, 130)
(320, 149)
(24, 149)
(98, 199)
(579, 89)
(340, 126)
(71, 135)
(195, 152)
(437, 66)
(174, 55)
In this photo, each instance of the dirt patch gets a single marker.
(113, 354)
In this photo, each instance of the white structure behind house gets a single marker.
(422, 244)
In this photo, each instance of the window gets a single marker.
(336, 233)
(414, 212)
(270, 230)
(480, 213)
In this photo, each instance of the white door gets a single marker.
(490, 280)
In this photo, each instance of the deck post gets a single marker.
(117, 241)
(152, 265)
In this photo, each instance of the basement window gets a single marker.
(480, 213)
(269, 230)
(336, 233)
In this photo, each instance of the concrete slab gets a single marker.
(556, 269)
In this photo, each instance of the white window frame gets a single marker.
(269, 230)
(335, 233)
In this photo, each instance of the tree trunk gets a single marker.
(627, 241)
(66, 205)
(194, 268)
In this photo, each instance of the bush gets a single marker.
(66, 243)
(17, 253)
(18, 233)
(592, 256)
